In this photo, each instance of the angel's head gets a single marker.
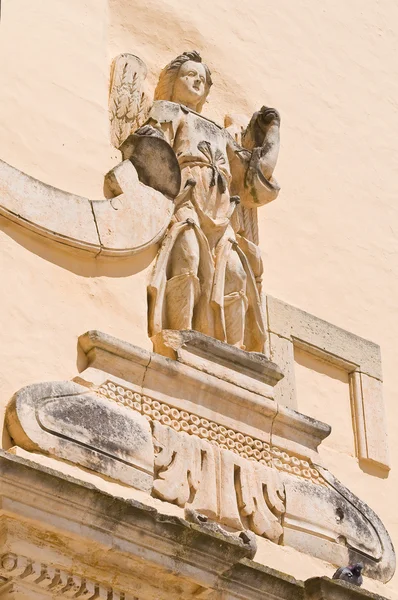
(186, 80)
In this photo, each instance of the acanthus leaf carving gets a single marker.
(216, 434)
(237, 492)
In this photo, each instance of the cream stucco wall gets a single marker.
(330, 241)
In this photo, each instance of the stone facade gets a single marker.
(187, 456)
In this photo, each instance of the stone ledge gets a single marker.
(201, 392)
(65, 513)
(126, 532)
(323, 588)
(252, 364)
(248, 579)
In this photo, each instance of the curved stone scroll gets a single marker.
(333, 524)
(66, 420)
(325, 520)
(134, 220)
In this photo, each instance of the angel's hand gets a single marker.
(263, 125)
(150, 130)
(266, 116)
(265, 119)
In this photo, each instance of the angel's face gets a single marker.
(190, 84)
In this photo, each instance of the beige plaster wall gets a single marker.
(323, 392)
(54, 89)
(330, 241)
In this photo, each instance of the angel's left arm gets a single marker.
(252, 166)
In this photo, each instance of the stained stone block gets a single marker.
(66, 420)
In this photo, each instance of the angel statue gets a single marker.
(208, 271)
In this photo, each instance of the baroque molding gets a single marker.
(146, 433)
(215, 433)
(55, 580)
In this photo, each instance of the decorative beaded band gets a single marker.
(229, 439)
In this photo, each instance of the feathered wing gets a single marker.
(245, 218)
(129, 101)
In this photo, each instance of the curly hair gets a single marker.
(167, 78)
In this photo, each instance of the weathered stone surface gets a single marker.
(217, 449)
(282, 352)
(31, 577)
(238, 493)
(372, 427)
(161, 555)
(65, 420)
(205, 389)
(136, 218)
(148, 553)
(155, 162)
(36, 206)
(291, 428)
(323, 588)
(242, 368)
(128, 100)
(250, 580)
(385, 568)
(325, 522)
(208, 272)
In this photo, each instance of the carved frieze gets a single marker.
(227, 488)
(55, 581)
(215, 433)
(188, 437)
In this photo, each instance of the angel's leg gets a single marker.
(235, 300)
(183, 287)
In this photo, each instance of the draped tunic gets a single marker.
(214, 170)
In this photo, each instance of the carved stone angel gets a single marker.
(207, 274)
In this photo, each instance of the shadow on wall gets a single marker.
(76, 261)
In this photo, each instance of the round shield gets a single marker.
(155, 161)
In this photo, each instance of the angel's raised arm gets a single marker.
(253, 162)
